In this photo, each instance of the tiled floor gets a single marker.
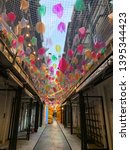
(52, 139)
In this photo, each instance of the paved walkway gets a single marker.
(73, 140)
(29, 145)
(52, 139)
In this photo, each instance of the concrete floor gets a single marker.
(52, 139)
(29, 145)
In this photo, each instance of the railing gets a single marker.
(11, 54)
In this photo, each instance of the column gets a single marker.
(15, 123)
(36, 116)
(82, 122)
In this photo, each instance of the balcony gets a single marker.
(10, 61)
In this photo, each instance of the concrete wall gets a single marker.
(6, 99)
(105, 89)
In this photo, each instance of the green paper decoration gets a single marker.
(103, 50)
(79, 5)
(42, 10)
(34, 40)
(26, 59)
(54, 58)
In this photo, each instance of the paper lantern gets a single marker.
(58, 48)
(41, 51)
(24, 5)
(88, 53)
(11, 16)
(80, 48)
(54, 58)
(34, 40)
(70, 52)
(40, 27)
(82, 32)
(23, 23)
(21, 39)
(61, 27)
(58, 10)
(79, 5)
(42, 10)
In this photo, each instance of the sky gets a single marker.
(51, 22)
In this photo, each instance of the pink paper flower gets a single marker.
(11, 16)
(61, 27)
(58, 10)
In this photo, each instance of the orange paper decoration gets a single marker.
(24, 5)
(40, 27)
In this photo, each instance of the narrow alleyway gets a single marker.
(52, 139)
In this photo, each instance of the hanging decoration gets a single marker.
(61, 27)
(28, 51)
(58, 10)
(34, 40)
(41, 51)
(79, 5)
(88, 53)
(14, 43)
(82, 32)
(48, 61)
(70, 52)
(23, 23)
(21, 39)
(103, 50)
(32, 56)
(74, 60)
(11, 16)
(24, 5)
(58, 48)
(99, 55)
(17, 29)
(93, 54)
(63, 64)
(42, 10)
(54, 65)
(51, 69)
(40, 27)
(54, 58)
(80, 48)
